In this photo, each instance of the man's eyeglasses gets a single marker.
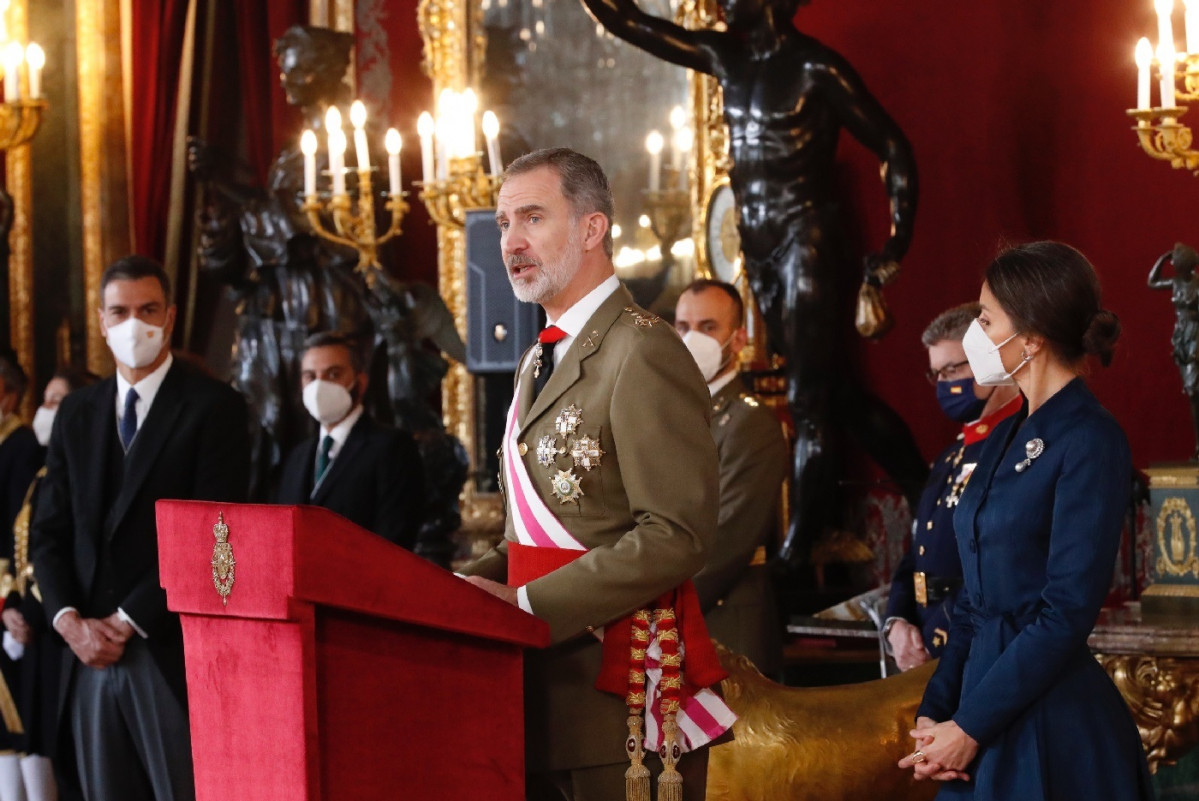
(950, 372)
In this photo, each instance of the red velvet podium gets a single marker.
(342, 666)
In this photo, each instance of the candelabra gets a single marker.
(466, 187)
(669, 212)
(19, 121)
(1158, 129)
(354, 223)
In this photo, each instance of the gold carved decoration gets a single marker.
(1176, 539)
(223, 563)
(18, 164)
(1163, 694)
(103, 182)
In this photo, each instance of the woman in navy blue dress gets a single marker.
(1018, 708)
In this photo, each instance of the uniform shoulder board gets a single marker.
(751, 401)
(642, 319)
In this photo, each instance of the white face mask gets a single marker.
(43, 423)
(134, 343)
(707, 352)
(327, 401)
(984, 358)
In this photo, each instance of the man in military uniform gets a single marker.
(930, 573)
(610, 486)
(734, 587)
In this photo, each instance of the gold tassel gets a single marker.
(670, 782)
(636, 778)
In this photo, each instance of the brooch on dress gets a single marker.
(1032, 449)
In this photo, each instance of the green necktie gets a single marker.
(322, 458)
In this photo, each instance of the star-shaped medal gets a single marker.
(565, 486)
(586, 452)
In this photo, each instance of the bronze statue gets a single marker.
(786, 99)
(289, 283)
(1184, 292)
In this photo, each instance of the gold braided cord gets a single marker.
(22, 567)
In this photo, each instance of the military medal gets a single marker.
(565, 486)
(568, 420)
(537, 360)
(1032, 449)
(547, 450)
(586, 452)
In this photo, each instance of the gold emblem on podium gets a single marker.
(1176, 539)
(223, 562)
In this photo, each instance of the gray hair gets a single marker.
(584, 184)
(950, 324)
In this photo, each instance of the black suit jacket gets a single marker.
(376, 481)
(98, 556)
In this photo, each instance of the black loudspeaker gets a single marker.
(499, 328)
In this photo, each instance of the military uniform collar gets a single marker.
(979, 429)
(574, 318)
(727, 394)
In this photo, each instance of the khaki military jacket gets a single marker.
(646, 510)
(734, 588)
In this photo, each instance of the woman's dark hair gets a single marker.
(1050, 289)
(76, 378)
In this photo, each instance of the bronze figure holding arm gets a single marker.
(786, 99)
(1184, 292)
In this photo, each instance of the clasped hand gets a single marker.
(942, 752)
(98, 642)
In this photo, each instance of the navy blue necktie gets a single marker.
(128, 426)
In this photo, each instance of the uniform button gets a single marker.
(523, 448)
(929, 526)
(922, 550)
(938, 501)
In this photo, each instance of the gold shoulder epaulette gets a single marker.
(751, 401)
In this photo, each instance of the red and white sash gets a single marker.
(703, 715)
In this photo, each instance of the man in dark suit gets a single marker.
(734, 587)
(366, 472)
(157, 429)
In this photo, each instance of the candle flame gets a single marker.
(332, 120)
(35, 56)
(13, 55)
(393, 141)
(678, 118)
(654, 142)
(1164, 6)
(424, 124)
(491, 125)
(308, 143)
(358, 114)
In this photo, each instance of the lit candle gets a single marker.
(1144, 58)
(337, 161)
(684, 141)
(424, 127)
(358, 120)
(1165, 29)
(653, 144)
(336, 155)
(1192, 26)
(37, 59)
(1165, 58)
(491, 134)
(308, 148)
(14, 54)
(393, 143)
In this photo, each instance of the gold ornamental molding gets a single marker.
(1177, 539)
(1163, 694)
(18, 165)
(223, 564)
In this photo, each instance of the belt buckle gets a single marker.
(920, 583)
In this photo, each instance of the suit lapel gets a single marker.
(99, 423)
(355, 442)
(570, 368)
(151, 437)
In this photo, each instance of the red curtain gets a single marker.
(157, 42)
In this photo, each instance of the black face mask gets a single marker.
(958, 401)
